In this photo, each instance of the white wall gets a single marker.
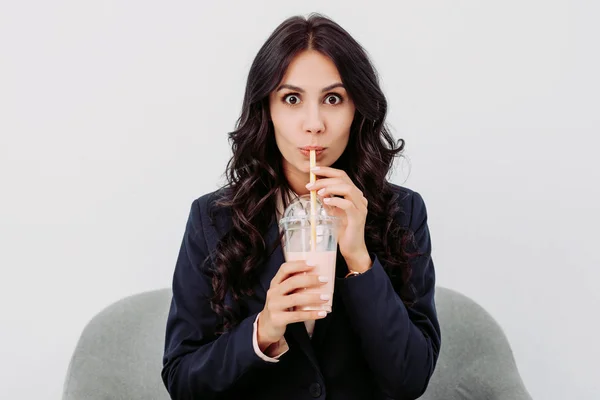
(113, 118)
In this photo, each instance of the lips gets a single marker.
(306, 151)
(309, 148)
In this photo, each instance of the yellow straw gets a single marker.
(313, 203)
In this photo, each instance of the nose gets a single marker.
(313, 121)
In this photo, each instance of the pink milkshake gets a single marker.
(311, 237)
(325, 266)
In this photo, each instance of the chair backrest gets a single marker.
(119, 354)
(476, 361)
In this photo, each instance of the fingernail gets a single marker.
(321, 192)
(327, 199)
(325, 297)
(323, 279)
(315, 168)
(309, 185)
(322, 313)
(310, 263)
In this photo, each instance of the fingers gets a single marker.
(341, 203)
(283, 300)
(300, 316)
(287, 293)
(300, 281)
(321, 183)
(288, 269)
(330, 172)
(302, 299)
(342, 189)
(338, 183)
(339, 187)
(353, 198)
(289, 317)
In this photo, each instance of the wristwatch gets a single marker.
(353, 273)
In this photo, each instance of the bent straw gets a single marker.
(313, 203)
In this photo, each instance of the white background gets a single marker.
(114, 117)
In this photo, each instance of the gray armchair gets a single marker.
(119, 353)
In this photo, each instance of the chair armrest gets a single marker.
(492, 377)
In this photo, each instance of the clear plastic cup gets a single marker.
(298, 243)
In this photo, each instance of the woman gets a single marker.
(232, 331)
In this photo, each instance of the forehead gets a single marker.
(311, 70)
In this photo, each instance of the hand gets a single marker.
(352, 210)
(286, 292)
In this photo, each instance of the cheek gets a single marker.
(284, 120)
(343, 122)
(343, 116)
(284, 134)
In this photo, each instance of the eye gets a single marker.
(333, 99)
(291, 99)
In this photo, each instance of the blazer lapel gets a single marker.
(296, 335)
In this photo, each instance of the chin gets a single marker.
(303, 166)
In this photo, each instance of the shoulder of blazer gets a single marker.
(412, 207)
(215, 220)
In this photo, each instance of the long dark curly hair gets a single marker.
(255, 175)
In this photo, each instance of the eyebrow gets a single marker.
(300, 90)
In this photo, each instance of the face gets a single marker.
(310, 108)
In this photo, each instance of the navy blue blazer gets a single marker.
(371, 346)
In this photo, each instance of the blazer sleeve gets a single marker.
(400, 343)
(198, 363)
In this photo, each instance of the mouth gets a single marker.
(306, 150)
